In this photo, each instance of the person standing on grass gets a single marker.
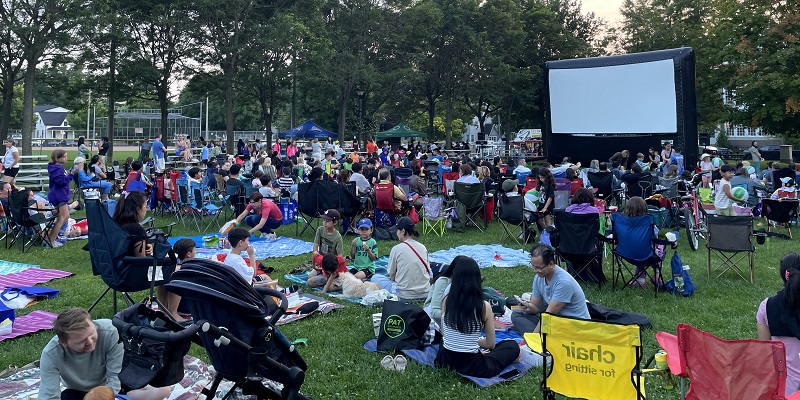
(158, 153)
(465, 315)
(756, 155)
(59, 192)
(554, 291)
(10, 162)
(85, 354)
(723, 200)
(777, 318)
(103, 146)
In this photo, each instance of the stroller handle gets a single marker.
(176, 333)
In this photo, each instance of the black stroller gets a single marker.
(239, 331)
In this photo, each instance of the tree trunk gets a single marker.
(112, 96)
(230, 148)
(265, 115)
(293, 117)
(448, 122)
(27, 103)
(344, 96)
(272, 90)
(431, 114)
(163, 104)
(5, 114)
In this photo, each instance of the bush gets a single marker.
(722, 139)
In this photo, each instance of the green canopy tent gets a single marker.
(401, 131)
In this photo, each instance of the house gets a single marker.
(51, 122)
(472, 132)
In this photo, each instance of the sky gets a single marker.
(606, 9)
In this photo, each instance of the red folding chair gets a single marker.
(448, 179)
(726, 369)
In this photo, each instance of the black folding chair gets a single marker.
(108, 248)
(471, 196)
(511, 213)
(603, 183)
(579, 246)
(731, 240)
(779, 212)
(26, 224)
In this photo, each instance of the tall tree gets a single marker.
(11, 62)
(43, 28)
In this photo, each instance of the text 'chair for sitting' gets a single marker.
(731, 240)
(727, 369)
(591, 359)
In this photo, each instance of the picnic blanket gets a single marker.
(33, 322)
(427, 355)
(325, 307)
(31, 277)
(492, 255)
(25, 383)
(280, 247)
(381, 268)
(9, 267)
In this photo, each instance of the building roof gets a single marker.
(53, 118)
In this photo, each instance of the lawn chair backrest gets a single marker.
(449, 178)
(511, 209)
(780, 211)
(174, 176)
(671, 185)
(563, 189)
(159, 188)
(730, 233)
(469, 194)
(603, 182)
(196, 197)
(633, 235)
(183, 193)
(220, 182)
(612, 351)
(403, 172)
(404, 183)
(732, 369)
(432, 206)
(577, 232)
(384, 197)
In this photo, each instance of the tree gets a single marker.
(11, 62)
(43, 28)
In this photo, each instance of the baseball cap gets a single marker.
(364, 223)
(405, 223)
(331, 215)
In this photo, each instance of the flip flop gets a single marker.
(400, 363)
(299, 341)
(388, 363)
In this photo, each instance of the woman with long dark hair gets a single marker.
(547, 201)
(778, 318)
(465, 315)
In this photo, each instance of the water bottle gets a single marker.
(678, 278)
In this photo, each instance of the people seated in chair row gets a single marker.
(777, 318)
(399, 197)
(84, 354)
(582, 203)
(91, 180)
(465, 174)
(409, 266)
(465, 315)
(554, 291)
(130, 211)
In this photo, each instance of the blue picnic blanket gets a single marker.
(381, 276)
(427, 355)
(264, 248)
(10, 267)
(492, 255)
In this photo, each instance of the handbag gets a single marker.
(495, 299)
(403, 326)
(412, 213)
(678, 273)
(6, 319)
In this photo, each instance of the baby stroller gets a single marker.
(239, 331)
(154, 347)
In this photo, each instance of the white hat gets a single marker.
(786, 179)
(705, 155)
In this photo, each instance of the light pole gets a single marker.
(362, 94)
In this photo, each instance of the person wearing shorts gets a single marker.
(10, 162)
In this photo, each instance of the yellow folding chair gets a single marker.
(591, 360)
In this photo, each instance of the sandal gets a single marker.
(388, 363)
(400, 363)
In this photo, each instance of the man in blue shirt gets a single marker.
(554, 291)
(677, 159)
(158, 153)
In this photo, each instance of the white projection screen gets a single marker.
(638, 98)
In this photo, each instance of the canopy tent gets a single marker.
(308, 130)
(401, 130)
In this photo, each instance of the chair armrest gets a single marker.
(139, 261)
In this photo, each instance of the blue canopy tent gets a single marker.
(308, 130)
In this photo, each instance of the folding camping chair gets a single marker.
(471, 197)
(235, 200)
(511, 213)
(384, 202)
(780, 212)
(448, 179)
(433, 215)
(634, 244)
(591, 359)
(108, 247)
(28, 225)
(314, 198)
(726, 369)
(603, 184)
(203, 206)
(579, 246)
(239, 332)
(728, 238)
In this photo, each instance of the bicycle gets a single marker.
(693, 218)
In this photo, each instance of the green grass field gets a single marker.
(341, 369)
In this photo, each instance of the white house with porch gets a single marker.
(51, 122)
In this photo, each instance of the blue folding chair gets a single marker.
(634, 248)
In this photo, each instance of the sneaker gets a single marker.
(56, 245)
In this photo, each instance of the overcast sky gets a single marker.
(606, 9)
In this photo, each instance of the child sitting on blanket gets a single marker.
(364, 251)
(239, 239)
(328, 240)
(332, 266)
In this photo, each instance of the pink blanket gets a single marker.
(31, 277)
(33, 322)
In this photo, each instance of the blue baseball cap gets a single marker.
(364, 223)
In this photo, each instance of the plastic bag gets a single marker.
(377, 298)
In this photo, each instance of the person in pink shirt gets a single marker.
(777, 318)
(261, 215)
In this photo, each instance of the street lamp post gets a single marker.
(362, 94)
